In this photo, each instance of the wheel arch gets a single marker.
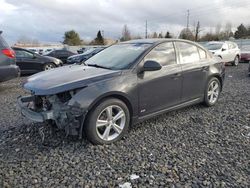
(116, 95)
(218, 77)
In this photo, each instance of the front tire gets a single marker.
(107, 122)
(212, 92)
(236, 61)
(49, 66)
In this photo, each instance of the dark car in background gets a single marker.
(245, 54)
(81, 50)
(8, 68)
(80, 58)
(30, 62)
(122, 85)
(60, 54)
(249, 69)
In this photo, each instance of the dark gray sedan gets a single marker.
(123, 85)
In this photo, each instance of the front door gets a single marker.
(26, 60)
(161, 89)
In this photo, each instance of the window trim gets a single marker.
(199, 49)
(163, 66)
(180, 55)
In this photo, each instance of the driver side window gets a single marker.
(23, 54)
(163, 53)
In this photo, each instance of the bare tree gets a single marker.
(218, 29)
(228, 30)
(155, 35)
(24, 40)
(160, 35)
(197, 31)
(126, 35)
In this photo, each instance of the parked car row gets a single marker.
(30, 62)
(81, 58)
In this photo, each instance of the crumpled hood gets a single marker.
(66, 78)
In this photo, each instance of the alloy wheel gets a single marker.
(213, 92)
(236, 61)
(110, 123)
(49, 66)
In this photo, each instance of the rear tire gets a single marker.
(212, 92)
(107, 122)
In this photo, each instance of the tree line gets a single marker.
(72, 38)
(220, 33)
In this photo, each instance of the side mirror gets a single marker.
(151, 66)
(34, 56)
(223, 49)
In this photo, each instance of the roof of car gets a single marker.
(219, 42)
(155, 40)
(159, 40)
(18, 48)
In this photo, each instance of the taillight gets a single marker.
(9, 53)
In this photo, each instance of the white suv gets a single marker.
(228, 51)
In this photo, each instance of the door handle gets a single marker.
(204, 69)
(176, 76)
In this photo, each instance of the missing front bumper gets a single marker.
(69, 118)
(23, 103)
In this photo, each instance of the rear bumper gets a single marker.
(9, 72)
(23, 103)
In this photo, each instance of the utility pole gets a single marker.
(103, 33)
(188, 14)
(146, 30)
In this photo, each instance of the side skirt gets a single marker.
(188, 103)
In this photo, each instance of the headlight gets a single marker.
(77, 59)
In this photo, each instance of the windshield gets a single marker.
(214, 46)
(119, 56)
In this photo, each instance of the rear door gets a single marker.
(194, 70)
(234, 50)
(160, 89)
(26, 60)
(225, 53)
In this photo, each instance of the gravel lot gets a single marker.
(192, 147)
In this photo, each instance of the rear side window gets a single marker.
(188, 52)
(23, 54)
(3, 43)
(62, 52)
(231, 46)
(163, 54)
(203, 54)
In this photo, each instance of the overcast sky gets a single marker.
(47, 20)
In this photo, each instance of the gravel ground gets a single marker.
(192, 147)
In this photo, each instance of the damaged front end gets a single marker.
(56, 109)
